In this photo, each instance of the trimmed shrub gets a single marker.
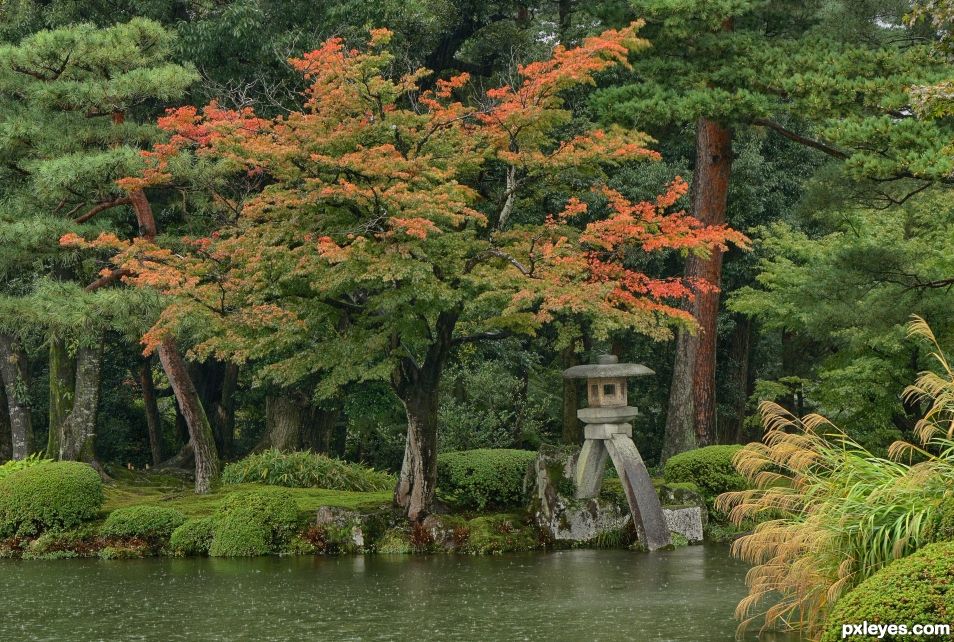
(49, 495)
(258, 522)
(194, 537)
(912, 590)
(484, 477)
(154, 524)
(709, 468)
(305, 469)
(14, 465)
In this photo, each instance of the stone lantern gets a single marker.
(609, 435)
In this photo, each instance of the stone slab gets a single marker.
(685, 521)
(608, 415)
(606, 431)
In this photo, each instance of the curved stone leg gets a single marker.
(589, 469)
(638, 485)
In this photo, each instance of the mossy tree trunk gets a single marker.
(6, 443)
(62, 384)
(200, 431)
(224, 411)
(151, 409)
(16, 377)
(79, 429)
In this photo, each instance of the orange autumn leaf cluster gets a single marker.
(373, 197)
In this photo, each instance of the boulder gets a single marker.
(571, 521)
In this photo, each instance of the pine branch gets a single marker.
(101, 207)
(115, 275)
(802, 140)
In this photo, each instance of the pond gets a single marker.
(687, 594)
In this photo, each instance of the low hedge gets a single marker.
(194, 537)
(258, 522)
(49, 495)
(305, 469)
(709, 468)
(918, 589)
(486, 477)
(154, 524)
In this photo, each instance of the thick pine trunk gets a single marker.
(200, 431)
(79, 429)
(6, 443)
(151, 409)
(13, 371)
(283, 423)
(692, 397)
(418, 478)
(62, 384)
(572, 430)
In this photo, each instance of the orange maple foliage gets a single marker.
(376, 208)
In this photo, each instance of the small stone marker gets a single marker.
(609, 435)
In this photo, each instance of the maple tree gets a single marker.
(384, 231)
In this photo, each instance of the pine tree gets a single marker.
(828, 76)
(66, 136)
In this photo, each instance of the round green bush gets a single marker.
(258, 522)
(152, 523)
(194, 537)
(59, 494)
(709, 468)
(918, 589)
(305, 469)
(485, 477)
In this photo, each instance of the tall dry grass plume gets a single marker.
(830, 513)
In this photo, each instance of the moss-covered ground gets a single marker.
(130, 488)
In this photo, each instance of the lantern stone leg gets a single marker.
(609, 436)
(590, 467)
(643, 501)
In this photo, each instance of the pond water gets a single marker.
(687, 594)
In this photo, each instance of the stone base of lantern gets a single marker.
(615, 442)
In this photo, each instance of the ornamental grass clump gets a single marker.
(832, 514)
(305, 469)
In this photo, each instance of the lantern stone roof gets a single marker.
(607, 366)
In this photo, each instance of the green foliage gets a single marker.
(254, 523)
(305, 469)
(193, 537)
(710, 469)
(47, 496)
(14, 465)
(912, 590)
(155, 524)
(484, 477)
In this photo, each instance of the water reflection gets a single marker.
(687, 594)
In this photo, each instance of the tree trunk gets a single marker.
(418, 478)
(62, 384)
(79, 428)
(572, 430)
(13, 371)
(225, 411)
(200, 431)
(283, 422)
(692, 397)
(6, 442)
(320, 427)
(417, 388)
(151, 408)
(741, 351)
